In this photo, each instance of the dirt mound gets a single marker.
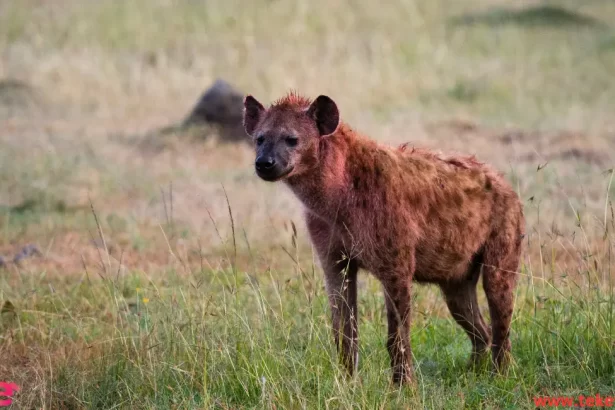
(221, 105)
(217, 115)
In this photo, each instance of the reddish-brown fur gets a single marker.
(405, 214)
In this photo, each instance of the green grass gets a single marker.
(218, 339)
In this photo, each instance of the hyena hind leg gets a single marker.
(462, 302)
(501, 263)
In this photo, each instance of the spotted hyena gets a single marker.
(402, 213)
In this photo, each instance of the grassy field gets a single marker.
(170, 276)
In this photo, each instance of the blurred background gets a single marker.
(133, 109)
(143, 264)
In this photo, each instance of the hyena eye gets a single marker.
(291, 141)
(260, 140)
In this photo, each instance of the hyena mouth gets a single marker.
(274, 176)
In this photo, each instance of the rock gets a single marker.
(220, 106)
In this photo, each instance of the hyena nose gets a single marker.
(264, 163)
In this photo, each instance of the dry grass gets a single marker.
(525, 86)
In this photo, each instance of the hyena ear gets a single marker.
(324, 111)
(252, 113)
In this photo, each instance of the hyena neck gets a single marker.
(323, 190)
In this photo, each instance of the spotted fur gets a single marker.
(406, 215)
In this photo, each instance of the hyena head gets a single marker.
(287, 135)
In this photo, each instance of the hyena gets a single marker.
(404, 214)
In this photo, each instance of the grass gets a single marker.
(185, 306)
(224, 339)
